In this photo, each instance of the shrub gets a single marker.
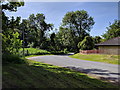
(86, 44)
(65, 51)
(33, 51)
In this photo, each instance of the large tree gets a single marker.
(79, 21)
(113, 30)
(67, 38)
(76, 24)
(11, 6)
(37, 29)
(24, 31)
(10, 26)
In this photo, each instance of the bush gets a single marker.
(86, 44)
(57, 52)
(65, 51)
(33, 51)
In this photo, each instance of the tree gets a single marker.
(52, 37)
(78, 25)
(11, 45)
(97, 39)
(38, 27)
(11, 6)
(25, 32)
(8, 30)
(78, 21)
(9, 26)
(16, 43)
(67, 38)
(113, 30)
(86, 44)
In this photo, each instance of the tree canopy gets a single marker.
(10, 27)
(113, 30)
(97, 39)
(78, 21)
(11, 6)
(73, 33)
(75, 26)
(37, 29)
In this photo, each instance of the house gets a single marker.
(111, 46)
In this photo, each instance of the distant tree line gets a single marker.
(73, 33)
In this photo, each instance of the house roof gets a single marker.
(110, 42)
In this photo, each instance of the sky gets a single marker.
(103, 13)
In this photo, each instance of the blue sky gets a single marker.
(102, 12)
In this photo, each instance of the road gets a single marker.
(98, 69)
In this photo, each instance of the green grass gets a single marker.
(41, 75)
(12, 58)
(34, 51)
(112, 59)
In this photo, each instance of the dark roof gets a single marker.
(113, 41)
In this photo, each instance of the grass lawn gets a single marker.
(112, 59)
(40, 75)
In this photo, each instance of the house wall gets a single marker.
(115, 50)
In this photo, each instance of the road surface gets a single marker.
(98, 69)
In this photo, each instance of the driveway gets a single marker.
(97, 69)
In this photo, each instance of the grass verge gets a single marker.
(41, 75)
(36, 55)
(111, 59)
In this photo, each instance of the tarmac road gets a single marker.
(98, 69)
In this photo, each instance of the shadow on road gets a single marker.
(102, 74)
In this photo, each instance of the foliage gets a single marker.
(34, 51)
(113, 30)
(30, 45)
(75, 26)
(52, 37)
(112, 59)
(11, 6)
(79, 21)
(16, 43)
(11, 45)
(67, 38)
(79, 45)
(37, 28)
(34, 30)
(86, 44)
(41, 75)
(97, 39)
(9, 28)
(10, 35)
(65, 51)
